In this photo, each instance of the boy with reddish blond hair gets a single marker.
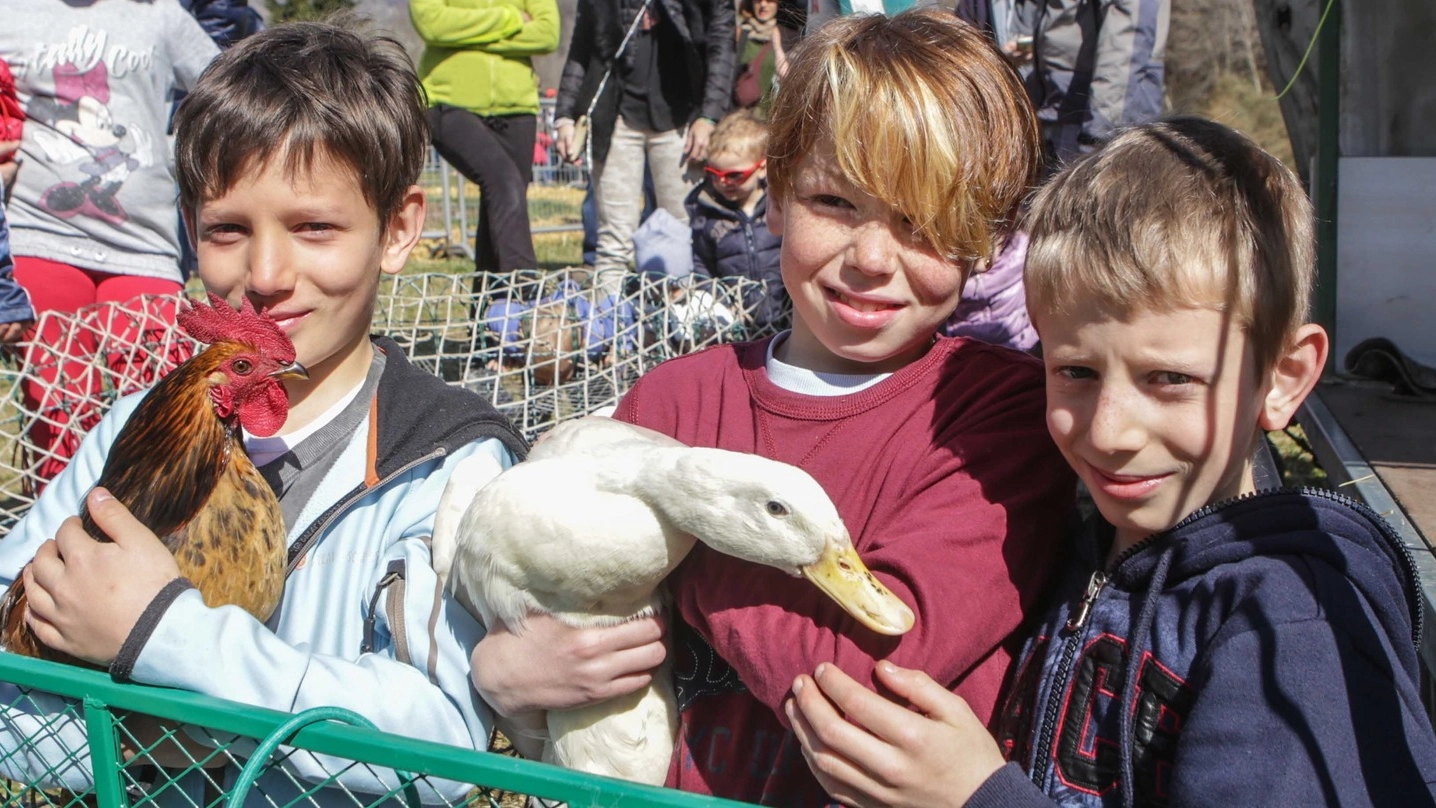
(899, 150)
(1216, 644)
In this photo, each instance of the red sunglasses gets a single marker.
(735, 177)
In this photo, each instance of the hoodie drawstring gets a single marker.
(1135, 652)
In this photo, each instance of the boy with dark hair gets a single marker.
(898, 150)
(298, 151)
(1216, 645)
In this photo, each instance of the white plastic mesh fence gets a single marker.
(541, 345)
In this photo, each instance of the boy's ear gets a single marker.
(403, 232)
(775, 215)
(1295, 374)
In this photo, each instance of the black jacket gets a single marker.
(706, 28)
(1261, 652)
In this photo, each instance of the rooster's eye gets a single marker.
(777, 508)
(242, 366)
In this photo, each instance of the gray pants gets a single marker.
(618, 194)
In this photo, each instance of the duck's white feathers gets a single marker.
(588, 527)
(629, 737)
(542, 521)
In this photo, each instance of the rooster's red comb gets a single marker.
(219, 321)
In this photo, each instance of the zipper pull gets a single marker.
(1095, 585)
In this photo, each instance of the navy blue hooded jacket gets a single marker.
(1261, 652)
(728, 243)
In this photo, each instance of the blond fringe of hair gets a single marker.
(741, 133)
(923, 113)
(1179, 213)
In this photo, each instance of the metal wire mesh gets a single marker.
(107, 745)
(540, 345)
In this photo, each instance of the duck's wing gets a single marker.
(541, 537)
(594, 433)
(467, 479)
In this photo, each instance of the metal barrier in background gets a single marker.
(554, 195)
(541, 345)
(92, 743)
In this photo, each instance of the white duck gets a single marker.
(589, 525)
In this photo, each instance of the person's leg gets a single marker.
(473, 146)
(617, 188)
(665, 161)
(589, 212)
(508, 208)
(58, 377)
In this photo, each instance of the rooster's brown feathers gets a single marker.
(182, 471)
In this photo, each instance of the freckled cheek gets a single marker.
(933, 280)
(1061, 423)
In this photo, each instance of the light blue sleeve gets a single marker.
(42, 736)
(415, 682)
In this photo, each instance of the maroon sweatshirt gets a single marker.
(954, 495)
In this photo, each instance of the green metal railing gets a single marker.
(365, 767)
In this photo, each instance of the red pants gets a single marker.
(63, 382)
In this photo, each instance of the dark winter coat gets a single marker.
(728, 243)
(706, 28)
(1261, 652)
(226, 21)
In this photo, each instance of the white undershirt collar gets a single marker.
(812, 383)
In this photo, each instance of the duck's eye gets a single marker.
(777, 508)
(242, 366)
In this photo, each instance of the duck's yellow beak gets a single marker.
(846, 579)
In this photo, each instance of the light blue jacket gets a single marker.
(309, 653)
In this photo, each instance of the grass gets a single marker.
(1298, 464)
(1255, 112)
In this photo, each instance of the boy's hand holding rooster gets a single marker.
(85, 596)
(178, 497)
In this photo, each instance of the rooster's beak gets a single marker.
(293, 370)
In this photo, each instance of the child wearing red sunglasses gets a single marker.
(729, 216)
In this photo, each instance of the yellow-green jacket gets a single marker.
(476, 52)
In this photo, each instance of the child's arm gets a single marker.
(868, 751)
(705, 250)
(16, 313)
(227, 653)
(43, 733)
(1314, 712)
(970, 525)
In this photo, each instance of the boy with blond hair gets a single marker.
(899, 150)
(298, 151)
(1216, 644)
(728, 214)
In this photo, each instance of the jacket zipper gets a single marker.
(1073, 631)
(302, 544)
(1098, 582)
(752, 247)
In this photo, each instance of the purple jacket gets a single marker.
(994, 304)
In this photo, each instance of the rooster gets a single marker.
(180, 467)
